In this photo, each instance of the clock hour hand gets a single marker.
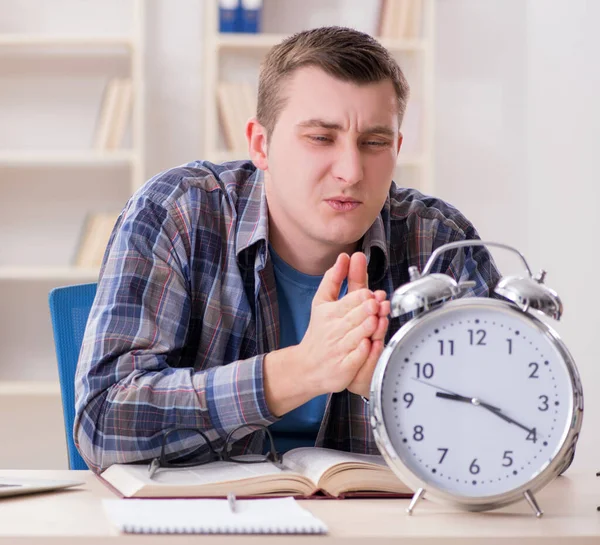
(454, 396)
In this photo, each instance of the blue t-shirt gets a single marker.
(295, 292)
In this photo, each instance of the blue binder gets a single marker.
(250, 16)
(228, 15)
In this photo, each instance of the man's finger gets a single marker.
(384, 308)
(352, 300)
(382, 327)
(384, 304)
(329, 288)
(357, 274)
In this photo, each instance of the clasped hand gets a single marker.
(345, 337)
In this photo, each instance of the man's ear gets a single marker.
(400, 138)
(256, 135)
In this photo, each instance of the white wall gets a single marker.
(563, 136)
(479, 118)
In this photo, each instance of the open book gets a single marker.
(305, 472)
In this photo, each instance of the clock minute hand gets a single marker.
(453, 396)
(507, 418)
(491, 408)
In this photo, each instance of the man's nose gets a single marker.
(348, 166)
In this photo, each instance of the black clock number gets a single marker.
(449, 350)
(426, 370)
(444, 452)
(535, 369)
(532, 435)
(477, 337)
(509, 341)
(544, 400)
(508, 461)
(474, 468)
(408, 399)
(418, 433)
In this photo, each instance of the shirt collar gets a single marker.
(253, 227)
(375, 246)
(253, 223)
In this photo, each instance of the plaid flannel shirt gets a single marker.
(186, 310)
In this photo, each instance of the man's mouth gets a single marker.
(343, 204)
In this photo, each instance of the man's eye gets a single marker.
(377, 143)
(319, 138)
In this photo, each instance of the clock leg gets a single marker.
(533, 503)
(415, 499)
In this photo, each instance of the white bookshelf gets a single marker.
(55, 41)
(30, 387)
(74, 180)
(415, 165)
(67, 158)
(59, 274)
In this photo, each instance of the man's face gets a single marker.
(331, 158)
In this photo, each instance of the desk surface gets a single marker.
(569, 506)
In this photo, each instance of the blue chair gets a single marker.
(69, 309)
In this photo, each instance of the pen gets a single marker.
(232, 503)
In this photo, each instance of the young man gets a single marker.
(258, 292)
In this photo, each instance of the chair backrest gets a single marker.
(69, 309)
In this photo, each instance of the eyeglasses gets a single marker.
(204, 452)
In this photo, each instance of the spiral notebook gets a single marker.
(208, 516)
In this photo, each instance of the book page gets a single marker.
(313, 462)
(337, 472)
(214, 479)
(212, 473)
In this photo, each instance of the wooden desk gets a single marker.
(77, 516)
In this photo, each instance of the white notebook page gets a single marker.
(259, 516)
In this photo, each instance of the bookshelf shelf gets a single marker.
(49, 273)
(63, 40)
(66, 158)
(266, 41)
(29, 388)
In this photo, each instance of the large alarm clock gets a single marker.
(476, 401)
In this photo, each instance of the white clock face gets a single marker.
(476, 400)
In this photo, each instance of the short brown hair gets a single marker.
(344, 53)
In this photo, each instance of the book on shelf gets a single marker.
(115, 113)
(400, 19)
(228, 15)
(94, 239)
(240, 16)
(305, 472)
(250, 15)
(236, 103)
(122, 115)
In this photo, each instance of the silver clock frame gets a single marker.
(547, 471)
